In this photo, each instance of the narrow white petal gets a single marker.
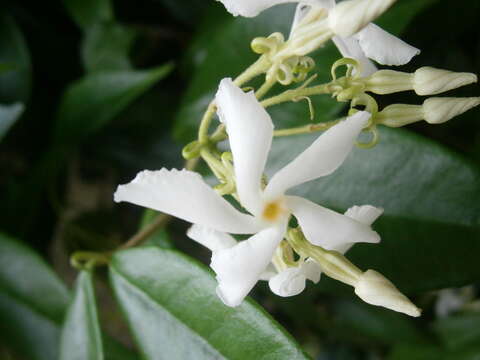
(250, 8)
(349, 47)
(212, 239)
(250, 131)
(383, 47)
(289, 282)
(366, 214)
(185, 195)
(240, 267)
(321, 158)
(327, 228)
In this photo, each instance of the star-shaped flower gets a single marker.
(250, 130)
(349, 22)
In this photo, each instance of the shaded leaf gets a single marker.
(89, 12)
(173, 311)
(8, 115)
(106, 47)
(81, 338)
(160, 237)
(459, 331)
(92, 102)
(15, 84)
(32, 301)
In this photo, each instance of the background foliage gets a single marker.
(92, 91)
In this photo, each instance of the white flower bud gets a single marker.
(350, 16)
(437, 110)
(388, 82)
(375, 289)
(397, 115)
(431, 81)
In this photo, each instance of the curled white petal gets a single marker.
(366, 214)
(185, 195)
(383, 47)
(349, 47)
(251, 8)
(212, 239)
(240, 267)
(289, 282)
(312, 270)
(250, 131)
(375, 289)
(268, 273)
(327, 228)
(321, 158)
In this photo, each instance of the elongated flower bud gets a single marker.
(350, 16)
(388, 82)
(430, 81)
(397, 115)
(375, 289)
(437, 110)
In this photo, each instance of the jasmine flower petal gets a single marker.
(349, 47)
(212, 239)
(185, 195)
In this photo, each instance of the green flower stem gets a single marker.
(307, 129)
(292, 94)
(266, 86)
(86, 260)
(332, 263)
(257, 68)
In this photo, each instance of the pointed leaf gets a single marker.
(81, 337)
(173, 311)
(8, 115)
(89, 12)
(15, 81)
(92, 102)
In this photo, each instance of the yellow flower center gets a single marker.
(272, 211)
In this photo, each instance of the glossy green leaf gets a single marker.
(81, 338)
(170, 303)
(222, 49)
(106, 47)
(32, 301)
(8, 115)
(15, 81)
(89, 12)
(160, 237)
(92, 102)
(430, 196)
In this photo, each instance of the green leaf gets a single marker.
(429, 195)
(222, 49)
(15, 84)
(8, 115)
(32, 301)
(160, 237)
(92, 102)
(81, 338)
(106, 47)
(417, 352)
(459, 331)
(170, 303)
(87, 13)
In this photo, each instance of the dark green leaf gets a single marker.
(32, 301)
(89, 12)
(429, 195)
(8, 115)
(92, 102)
(160, 237)
(15, 83)
(374, 323)
(459, 331)
(81, 337)
(171, 306)
(222, 49)
(106, 47)
(417, 352)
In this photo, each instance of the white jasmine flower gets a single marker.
(349, 23)
(184, 194)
